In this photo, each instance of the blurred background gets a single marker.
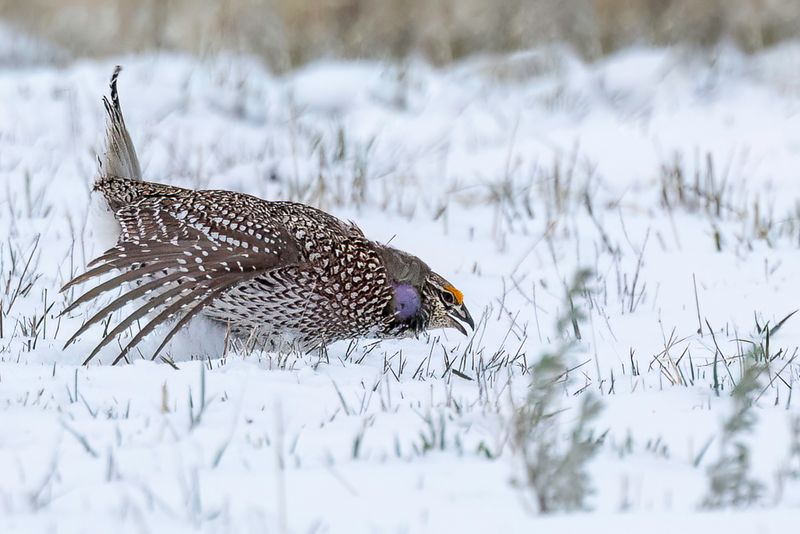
(289, 33)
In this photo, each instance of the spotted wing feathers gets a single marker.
(182, 258)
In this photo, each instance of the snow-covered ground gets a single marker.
(673, 177)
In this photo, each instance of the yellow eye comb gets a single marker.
(458, 294)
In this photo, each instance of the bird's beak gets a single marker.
(460, 316)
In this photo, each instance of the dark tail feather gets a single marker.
(120, 159)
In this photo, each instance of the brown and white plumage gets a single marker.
(283, 273)
(119, 158)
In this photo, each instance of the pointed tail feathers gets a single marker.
(120, 159)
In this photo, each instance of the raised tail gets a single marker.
(119, 174)
(119, 160)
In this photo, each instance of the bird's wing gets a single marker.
(198, 255)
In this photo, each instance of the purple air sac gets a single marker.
(406, 301)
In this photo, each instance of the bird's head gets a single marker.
(422, 299)
(443, 305)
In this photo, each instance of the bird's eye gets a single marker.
(448, 298)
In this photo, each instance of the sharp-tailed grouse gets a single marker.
(282, 273)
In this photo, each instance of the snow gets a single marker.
(483, 169)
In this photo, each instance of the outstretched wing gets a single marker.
(196, 257)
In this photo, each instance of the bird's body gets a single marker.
(281, 274)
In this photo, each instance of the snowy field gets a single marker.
(673, 178)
